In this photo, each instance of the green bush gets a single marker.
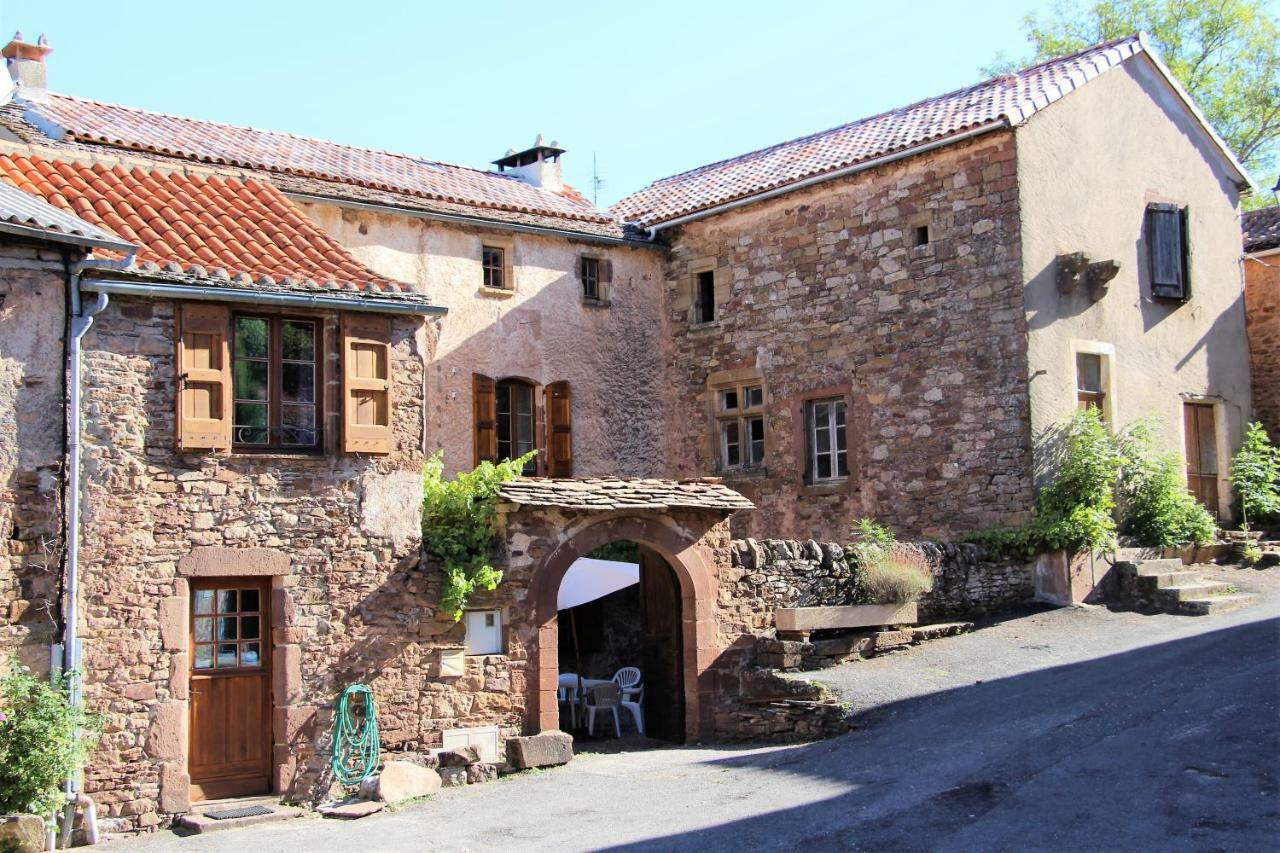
(43, 741)
(1255, 477)
(458, 519)
(1000, 542)
(1076, 510)
(1155, 507)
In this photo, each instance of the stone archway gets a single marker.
(551, 523)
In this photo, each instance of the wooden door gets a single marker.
(230, 752)
(662, 648)
(1202, 453)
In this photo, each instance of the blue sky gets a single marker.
(650, 88)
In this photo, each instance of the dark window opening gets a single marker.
(515, 426)
(492, 259)
(922, 235)
(591, 278)
(705, 297)
(274, 381)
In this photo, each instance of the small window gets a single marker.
(1168, 251)
(704, 297)
(1090, 390)
(484, 632)
(492, 259)
(921, 235)
(590, 273)
(740, 426)
(827, 443)
(274, 382)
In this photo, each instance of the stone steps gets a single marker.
(199, 822)
(1168, 585)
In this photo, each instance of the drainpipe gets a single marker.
(81, 320)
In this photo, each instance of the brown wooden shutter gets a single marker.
(204, 377)
(559, 407)
(485, 411)
(606, 271)
(1167, 248)
(366, 359)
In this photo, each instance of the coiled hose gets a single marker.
(357, 748)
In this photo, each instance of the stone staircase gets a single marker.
(1171, 586)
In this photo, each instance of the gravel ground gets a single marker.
(1072, 729)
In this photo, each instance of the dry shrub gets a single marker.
(901, 575)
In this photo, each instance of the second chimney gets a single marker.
(26, 63)
(538, 166)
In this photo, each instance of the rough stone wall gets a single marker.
(350, 602)
(32, 359)
(824, 293)
(1262, 307)
(787, 573)
(543, 331)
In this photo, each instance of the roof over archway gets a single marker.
(614, 493)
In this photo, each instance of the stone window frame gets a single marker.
(737, 380)
(601, 296)
(697, 269)
(507, 245)
(1107, 352)
(800, 448)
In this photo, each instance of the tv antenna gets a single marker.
(596, 181)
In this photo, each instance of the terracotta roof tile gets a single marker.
(1262, 229)
(1010, 99)
(609, 493)
(178, 219)
(64, 117)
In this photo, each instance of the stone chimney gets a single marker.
(538, 166)
(26, 63)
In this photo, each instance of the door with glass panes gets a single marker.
(230, 733)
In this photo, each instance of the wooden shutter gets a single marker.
(204, 377)
(606, 271)
(559, 407)
(485, 412)
(366, 359)
(1167, 248)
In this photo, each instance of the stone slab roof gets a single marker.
(1008, 100)
(33, 212)
(1261, 229)
(218, 230)
(64, 118)
(611, 493)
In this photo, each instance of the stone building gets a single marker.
(1262, 305)
(888, 318)
(244, 344)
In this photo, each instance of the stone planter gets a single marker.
(805, 619)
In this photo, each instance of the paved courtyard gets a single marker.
(1055, 730)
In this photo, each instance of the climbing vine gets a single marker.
(458, 525)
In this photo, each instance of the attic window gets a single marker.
(921, 237)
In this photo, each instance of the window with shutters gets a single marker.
(1168, 251)
(740, 426)
(510, 421)
(515, 421)
(204, 377)
(275, 383)
(826, 441)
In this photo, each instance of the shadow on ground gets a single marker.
(1170, 747)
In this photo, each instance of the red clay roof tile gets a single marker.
(182, 219)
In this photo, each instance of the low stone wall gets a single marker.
(777, 573)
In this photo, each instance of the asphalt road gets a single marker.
(1061, 730)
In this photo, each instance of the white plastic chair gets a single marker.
(636, 708)
(629, 679)
(604, 697)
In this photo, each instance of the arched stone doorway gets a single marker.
(548, 524)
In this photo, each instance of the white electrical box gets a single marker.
(484, 632)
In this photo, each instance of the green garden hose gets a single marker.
(356, 746)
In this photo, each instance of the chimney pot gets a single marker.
(26, 63)
(538, 166)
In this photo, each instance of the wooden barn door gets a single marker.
(230, 752)
(662, 648)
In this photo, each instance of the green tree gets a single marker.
(1155, 507)
(1255, 477)
(1225, 53)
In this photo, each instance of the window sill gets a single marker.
(588, 302)
(496, 292)
(704, 327)
(826, 487)
(759, 472)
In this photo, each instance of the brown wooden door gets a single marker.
(230, 688)
(1202, 453)
(662, 648)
